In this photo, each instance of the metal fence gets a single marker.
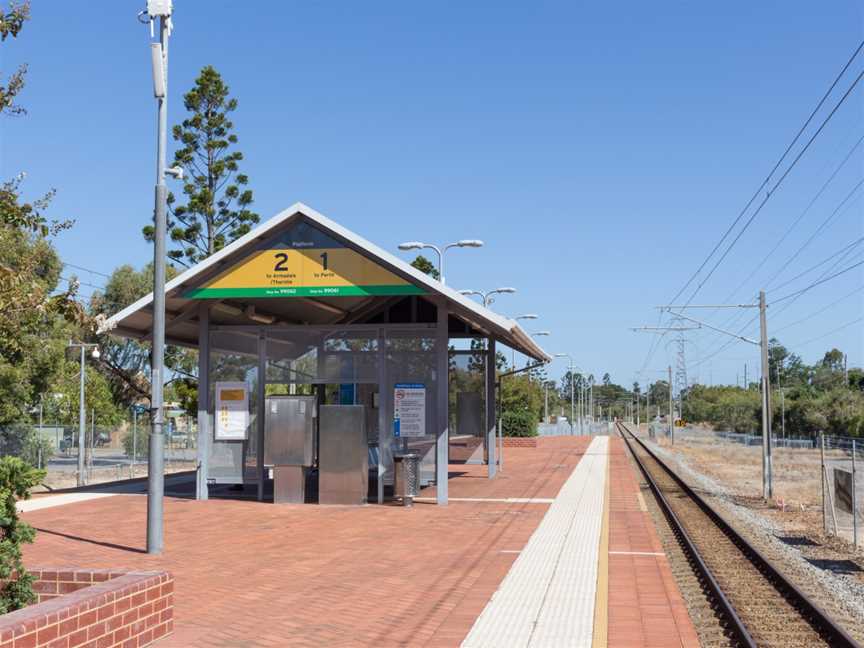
(806, 476)
(110, 452)
(562, 428)
(841, 461)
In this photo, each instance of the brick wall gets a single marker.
(100, 608)
(520, 442)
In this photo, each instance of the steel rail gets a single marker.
(833, 634)
(736, 626)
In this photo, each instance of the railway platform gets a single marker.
(557, 551)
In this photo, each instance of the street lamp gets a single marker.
(487, 298)
(419, 245)
(572, 407)
(82, 411)
(161, 10)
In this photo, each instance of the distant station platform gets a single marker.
(557, 550)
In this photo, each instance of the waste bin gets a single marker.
(406, 483)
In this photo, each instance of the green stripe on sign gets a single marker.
(328, 291)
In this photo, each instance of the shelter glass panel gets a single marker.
(467, 393)
(233, 359)
(411, 359)
(322, 356)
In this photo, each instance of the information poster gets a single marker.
(232, 411)
(409, 410)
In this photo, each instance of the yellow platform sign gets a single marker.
(308, 264)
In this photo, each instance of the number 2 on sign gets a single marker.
(281, 263)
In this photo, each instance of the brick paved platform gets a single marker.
(645, 605)
(253, 574)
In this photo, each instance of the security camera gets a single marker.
(176, 172)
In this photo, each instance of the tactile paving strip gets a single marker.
(547, 597)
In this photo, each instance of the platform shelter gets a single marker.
(323, 358)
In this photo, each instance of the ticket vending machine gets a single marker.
(289, 444)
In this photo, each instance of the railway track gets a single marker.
(759, 606)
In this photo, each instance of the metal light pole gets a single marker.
(419, 245)
(160, 9)
(82, 411)
(571, 366)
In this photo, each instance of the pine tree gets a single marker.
(216, 211)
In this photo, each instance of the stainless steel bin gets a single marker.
(406, 482)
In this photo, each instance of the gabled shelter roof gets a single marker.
(377, 280)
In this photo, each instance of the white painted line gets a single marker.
(511, 551)
(547, 598)
(49, 501)
(502, 500)
(636, 553)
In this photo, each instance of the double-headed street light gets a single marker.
(419, 245)
(489, 297)
(82, 410)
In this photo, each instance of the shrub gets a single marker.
(142, 441)
(16, 479)
(520, 423)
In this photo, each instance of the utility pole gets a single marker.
(162, 10)
(767, 486)
(671, 413)
(746, 384)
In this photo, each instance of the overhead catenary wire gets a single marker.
(844, 250)
(819, 311)
(770, 192)
(817, 283)
(776, 166)
(824, 224)
(829, 333)
(797, 220)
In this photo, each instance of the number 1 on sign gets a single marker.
(324, 259)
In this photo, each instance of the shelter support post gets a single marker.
(442, 418)
(383, 422)
(492, 463)
(259, 420)
(203, 401)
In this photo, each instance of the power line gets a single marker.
(81, 283)
(831, 332)
(823, 262)
(817, 283)
(819, 311)
(778, 183)
(774, 169)
(800, 217)
(77, 267)
(816, 233)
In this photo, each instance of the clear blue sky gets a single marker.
(600, 149)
